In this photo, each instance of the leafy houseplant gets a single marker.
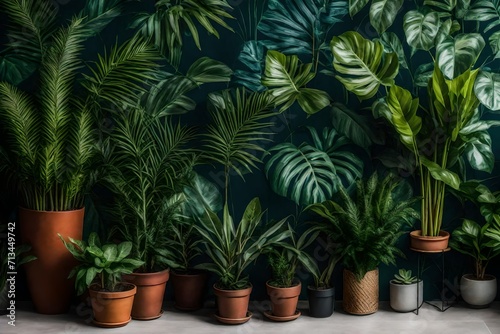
(441, 135)
(100, 271)
(365, 228)
(49, 151)
(405, 295)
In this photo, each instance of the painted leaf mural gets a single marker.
(421, 29)
(383, 13)
(487, 89)
(456, 55)
(253, 57)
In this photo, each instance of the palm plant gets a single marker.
(50, 135)
(366, 227)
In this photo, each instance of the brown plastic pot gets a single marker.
(284, 300)
(148, 301)
(189, 289)
(232, 304)
(112, 309)
(47, 276)
(429, 244)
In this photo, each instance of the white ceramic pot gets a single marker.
(478, 293)
(403, 297)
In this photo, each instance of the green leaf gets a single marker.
(494, 44)
(362, 64)
(391, 43)
(207, 70)
(422, 74)
(355, 6)
(479, 152)
(383, 13)
(14, 70)
(90, 275)
(441, 174)
(421, 29)
(482, 10)
(123, 250)
(287, 79)
(456, 55)
(252, 56)
(487, 89)
(110, 252)
(446, 5)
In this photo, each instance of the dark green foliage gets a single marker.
(281, 270)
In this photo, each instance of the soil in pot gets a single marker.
(150, 291)
(189, 289)
(321, 302)
(284, 300)
(429, 244)
(478, 293)
(112, 309)
(232, 304)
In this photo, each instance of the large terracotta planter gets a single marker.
(284, 300)
(112, 309)
(148, 301)
(232, 304)
(360, 297)
(47, 276)
(189, 289)
(478, 293)
(429, 244)
(321, 302)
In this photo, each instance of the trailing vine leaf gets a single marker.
(456, 55)
(383, 13)
(391, 43)
(252, 56)
(288, 78)
(421, 29)
(487, 89)
(355, 6)
(479, 152)
(362, 65)
(311, 174)
(300, 27)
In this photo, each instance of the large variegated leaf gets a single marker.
(482, 10)
(478, 151)
(495, 44)
(252, 56)
(383, 13)
(456, 55)
(441, 174)
(362, 64)
(391, 43)
(487, 89)
(356, 5)
(446, 5)
(422, 74)
(421, 29)
(287, 77)
(404, 115)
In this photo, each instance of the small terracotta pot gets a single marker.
(47, 276)
(189, 289)
(284, 300)
(429, 244)
(148, 301)
(360, 297)
(112, 309)
(232, 304)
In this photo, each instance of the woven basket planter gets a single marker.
(360, 297)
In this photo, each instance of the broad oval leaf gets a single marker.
(422, 75)
(207, 70)
(421, 29)
(487, 89)
(391, 43)
(383, 13)
(441, 174)
(362, 64)
(495, 43)
(479, 153)
(456, 55)
(446, 5)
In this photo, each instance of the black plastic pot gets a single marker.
(321, 302)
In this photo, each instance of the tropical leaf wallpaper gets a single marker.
(342, 86)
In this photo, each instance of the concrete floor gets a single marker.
(457, 320)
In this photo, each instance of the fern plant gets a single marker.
(49, 152)
(367, 225)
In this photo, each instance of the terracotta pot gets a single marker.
(284, 300)
(112, 309)
(321, 302)
(478, 293)
(148, 301)
(429, 244)
(189, 289)
(232, 304)
(360, 297)
(47, 277)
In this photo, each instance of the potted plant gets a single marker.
(436, 137)
(99, 270)
(481, 243)
(50, 134)
(284, 288)
(406, 292)
(366, 227)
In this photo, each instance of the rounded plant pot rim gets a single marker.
(418, 235)
(95, 289)
(232, 293)
(295, 286)
(149, 279)
(313, 288)
(471, 277)
(401, 284)
(60, 211)
(189, 272)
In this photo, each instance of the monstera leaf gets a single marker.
(252, 56)
(495, 43)
(391, 43)
(298, 26)
(287, 78)
(487, 89)
(478, 151)
(311, 174)
(421, 29)
(362, 64)
(446, 5)
(456, 55)
(383, 13)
